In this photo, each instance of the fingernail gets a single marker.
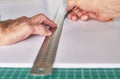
(69, 16)
(74, 18)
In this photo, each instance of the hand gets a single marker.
(13, 31)
(102, 10)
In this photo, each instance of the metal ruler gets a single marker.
(43, 64)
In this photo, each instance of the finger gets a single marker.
(78, 12)
(73, 16)
(42, 19)
(84, 12)
(50, 23)
(69, 16)
(41, 30)
(81, 14)
(92, 15)
(84, 17)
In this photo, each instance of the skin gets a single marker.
(102, 10)
(13, 31)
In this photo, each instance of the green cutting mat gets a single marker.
(62, 73)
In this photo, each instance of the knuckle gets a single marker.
(23, 18)
(42, 16)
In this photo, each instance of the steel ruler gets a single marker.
(44, 61)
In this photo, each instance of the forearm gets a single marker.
(12, 31)
(3, 26)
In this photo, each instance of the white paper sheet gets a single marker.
(82, 44)
(89, 44)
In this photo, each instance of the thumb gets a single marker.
(41, 30)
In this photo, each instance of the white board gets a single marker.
(83, 44)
